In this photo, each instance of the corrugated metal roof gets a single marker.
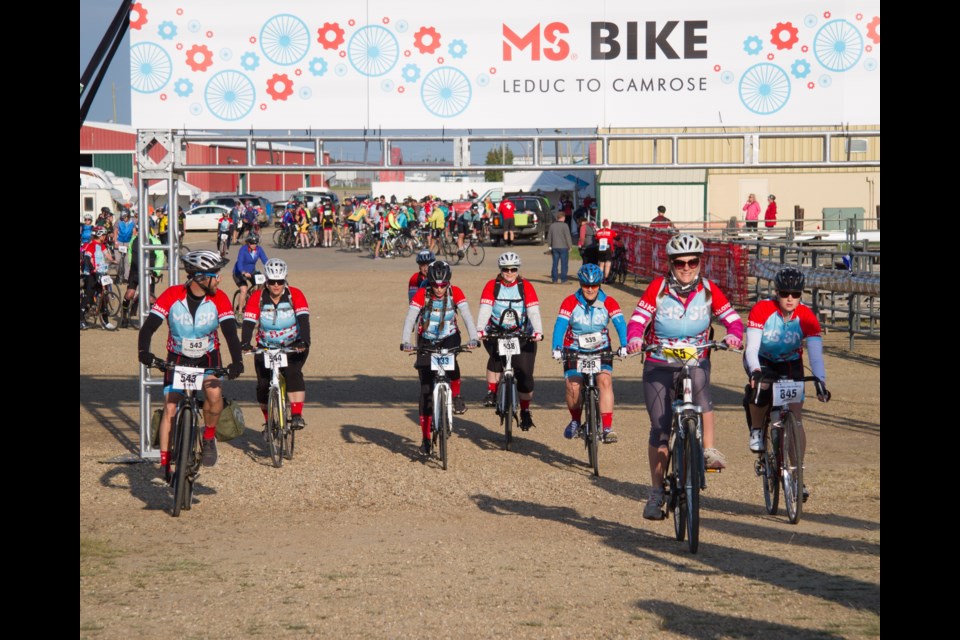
(652, 176)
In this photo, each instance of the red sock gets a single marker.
(264, 409)
(296, 408)
(607, 420)
(524, 405)
(455, 387)
(492, 387)
(425, 426)
(164, 458)
(209, 433)
(575, 413)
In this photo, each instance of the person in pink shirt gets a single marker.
(752, 211)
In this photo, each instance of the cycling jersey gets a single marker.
(247, 260)
(681, 321)
(507, 209)
(493, 303)
(581, 318)
(437, 317)
(605, 238)
(278, 322)
(125, 230)
(86, 232)
(771, 339)
(417, 281)
(98, 259)
(192, 334)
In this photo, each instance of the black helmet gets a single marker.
(253, 239)
(789, 279)
(439, 271)
(425, 257)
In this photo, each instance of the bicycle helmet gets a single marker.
(590, 274)
(439, 271)
(789, 279)
(684, 244)
(202, 261)
(88, 217)
(275, 269)
(509, 259)
(425, 257)
(253, 239)
(98, 232)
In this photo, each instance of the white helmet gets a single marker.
(684, 244)
(275, 269)
(509, 259)
(202, 261)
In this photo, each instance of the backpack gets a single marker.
(231, 424)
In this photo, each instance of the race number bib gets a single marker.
(604, 244)
(442, 361)
(259, 278)
(588, 364)
(590, 341)
(187, 378)
(274, 359)
(106, 280)
(195, 347)
(223, 236)
(787, 392)
(122, 248)
(680, 353)
(509, 346)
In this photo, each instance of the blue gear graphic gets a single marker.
(318, 66)
(167, 30)
(183, 87)
(249, 61)
(753, 45)
(800, 69)
(411, 73)
(457, 49)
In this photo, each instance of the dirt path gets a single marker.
(358, 537)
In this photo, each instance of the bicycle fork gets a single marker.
(438, 389)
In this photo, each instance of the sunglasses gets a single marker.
(274, 283)
(509, 270)
(790, 294)
(208, 275)
(692, 263)
(440, 285)
(589, 286)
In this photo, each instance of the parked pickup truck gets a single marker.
(532, 219)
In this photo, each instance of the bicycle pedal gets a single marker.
(711, 470)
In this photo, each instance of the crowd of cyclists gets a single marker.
(676, 308)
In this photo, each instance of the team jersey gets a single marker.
(492, 308)
(192, 335)
(439, 319)
(98, 259)
(782, 341)
(605, 238)
(676, 321)
(417, 281)
(247, 261)
(278, 325)
(125, 230)
(224, 225)
(578, 318)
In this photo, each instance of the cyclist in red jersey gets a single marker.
(605, 238)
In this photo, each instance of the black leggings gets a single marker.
(292, 373)
(427, 375)
(522, 363)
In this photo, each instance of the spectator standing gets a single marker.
(662, 221)
(752, 211)
(560, 241)
(770, 215)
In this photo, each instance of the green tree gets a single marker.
(497, 155)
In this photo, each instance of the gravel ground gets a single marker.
(358, 536)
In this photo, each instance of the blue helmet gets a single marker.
(590, 274)
(425, 257)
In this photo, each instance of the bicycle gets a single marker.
(104, 307)
(285, 237)
(223, 243)
(279, 435)
(259, 281)
(687, 472)
(472, 250)
(618, 266)
(441, 361)
(780, 461)
(507, 407)
(186, 434)
(591, 429)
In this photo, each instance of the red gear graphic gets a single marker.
(137, 8)
(426, 32)
(330, 35)
(204, 52)
(873, 29)
(777, 37)
(280, 94)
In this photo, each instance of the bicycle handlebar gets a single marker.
(767, 377)
(165, 366)
(259, 350)
(719, 346)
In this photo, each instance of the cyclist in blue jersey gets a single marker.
(194, 311)
(86, 229)
(246, 265)
(123, 235)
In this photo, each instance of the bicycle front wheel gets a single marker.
(678, 478)
(506, 411)
(275, 427)
(770, 470)
(185, 443)
(443, 426)
(237, 307)
(110, 310)
(475, 254)
(694, 477)
(593, 429)
(792, 469)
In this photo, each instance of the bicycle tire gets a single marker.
(475, 254)
(622, 273)
(184, 440)
(275, 427)
(108, 314)
(289, 435)
(678, 500)
(403, 248)
(278, 238)
(506, 412)
(694, 478)
(771, 470)
(792, 469)
(222, 247)
(237, 309)
(593, 429)
(442, 425)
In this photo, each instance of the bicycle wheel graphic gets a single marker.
(446, 92)
(764, 88)
(230, 95)
(150, 67)
(373, 50)
(284, 39)
(838, 45)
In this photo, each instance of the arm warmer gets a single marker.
(408, 323)
(533, 314)
(483, 317)
(464, 308)
(752, 353)
(815, 349)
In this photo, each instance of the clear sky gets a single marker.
(95, 17)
